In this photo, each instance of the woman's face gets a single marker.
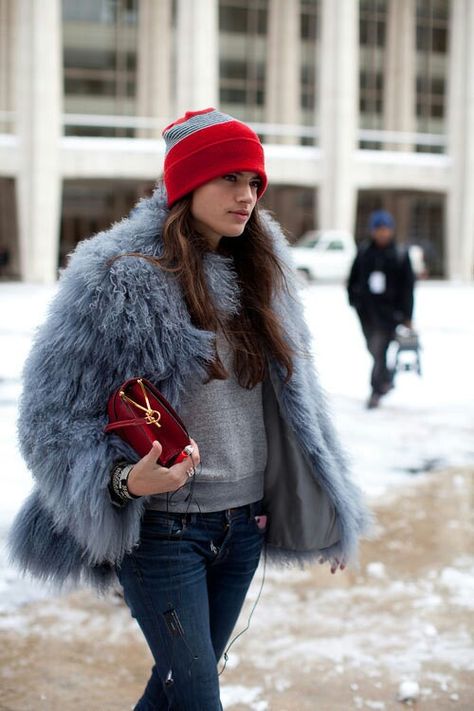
(222, 207)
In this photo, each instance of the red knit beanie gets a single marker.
(206, 144)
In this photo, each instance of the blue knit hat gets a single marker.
(381, 218)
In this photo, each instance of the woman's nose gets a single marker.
(246, 194)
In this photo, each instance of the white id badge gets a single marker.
(377, 282)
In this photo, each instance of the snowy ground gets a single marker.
(425, 423)
(424, 427)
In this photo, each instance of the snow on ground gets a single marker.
(427, 422)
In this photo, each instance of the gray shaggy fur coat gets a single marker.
(109, 322)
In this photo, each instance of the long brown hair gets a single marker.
(255, 330)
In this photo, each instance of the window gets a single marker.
(372, 37)
(100, 11)
(432, 18)
(432, 23)
(430, 97)
(372, 19)
(103, 11)
(371, 92)
(309, 20)
(242, 37)
(309, 34)
(243, 17)
(308, 85)
(100, 61)
(336, 245)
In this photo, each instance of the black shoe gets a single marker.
(386, 387)
(373, 401)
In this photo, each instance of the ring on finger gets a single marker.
(190, 473)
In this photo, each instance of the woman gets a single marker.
(193, 292)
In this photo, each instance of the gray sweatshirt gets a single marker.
(226, 421)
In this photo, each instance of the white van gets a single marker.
(324, 254)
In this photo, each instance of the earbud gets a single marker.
(169, 681)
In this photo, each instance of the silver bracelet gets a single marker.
(120, 476)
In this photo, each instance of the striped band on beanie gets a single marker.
(206, 144)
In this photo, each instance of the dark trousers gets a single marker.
(199, 566)
(378, 341)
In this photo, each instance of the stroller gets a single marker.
(406, 350)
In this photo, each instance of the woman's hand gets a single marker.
(148, 477)
(336, 563)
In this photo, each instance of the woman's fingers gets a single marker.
(141, 478)
(190, 462)
(336, 563)
(148, 477)
(154, 453)
(195, 457)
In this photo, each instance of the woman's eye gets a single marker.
(232, 178)
(257, 184)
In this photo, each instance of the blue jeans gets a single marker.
(185, 584)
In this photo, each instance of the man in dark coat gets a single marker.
(380, 288)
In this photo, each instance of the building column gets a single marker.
(282, 83)
(8, 221)
(400, 70)
(197, 55)
(7, 19)
(460, 212)
(154, 63)
(339, 82)
(39, 128)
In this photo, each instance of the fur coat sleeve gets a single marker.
(107, 322)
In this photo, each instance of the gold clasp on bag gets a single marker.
(152, 416)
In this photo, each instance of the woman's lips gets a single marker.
(241, 216)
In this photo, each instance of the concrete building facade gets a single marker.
(359, 103)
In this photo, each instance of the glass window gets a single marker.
(90, 206)
(241, 16)
(233, 68)
(103, 11)
(430, 97)
(233, 19)
(432, 18)
(371, 93)
(309, 33)
(309, 20)
(233, 96)
(433, 39)
(432, 25)
(372, 19)
(242, 57)
(293, 206)
(100, 61)
(308, 86)
(99, 11)
(7, 75)
(372, 38)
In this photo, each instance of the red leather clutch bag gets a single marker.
(139, 414)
